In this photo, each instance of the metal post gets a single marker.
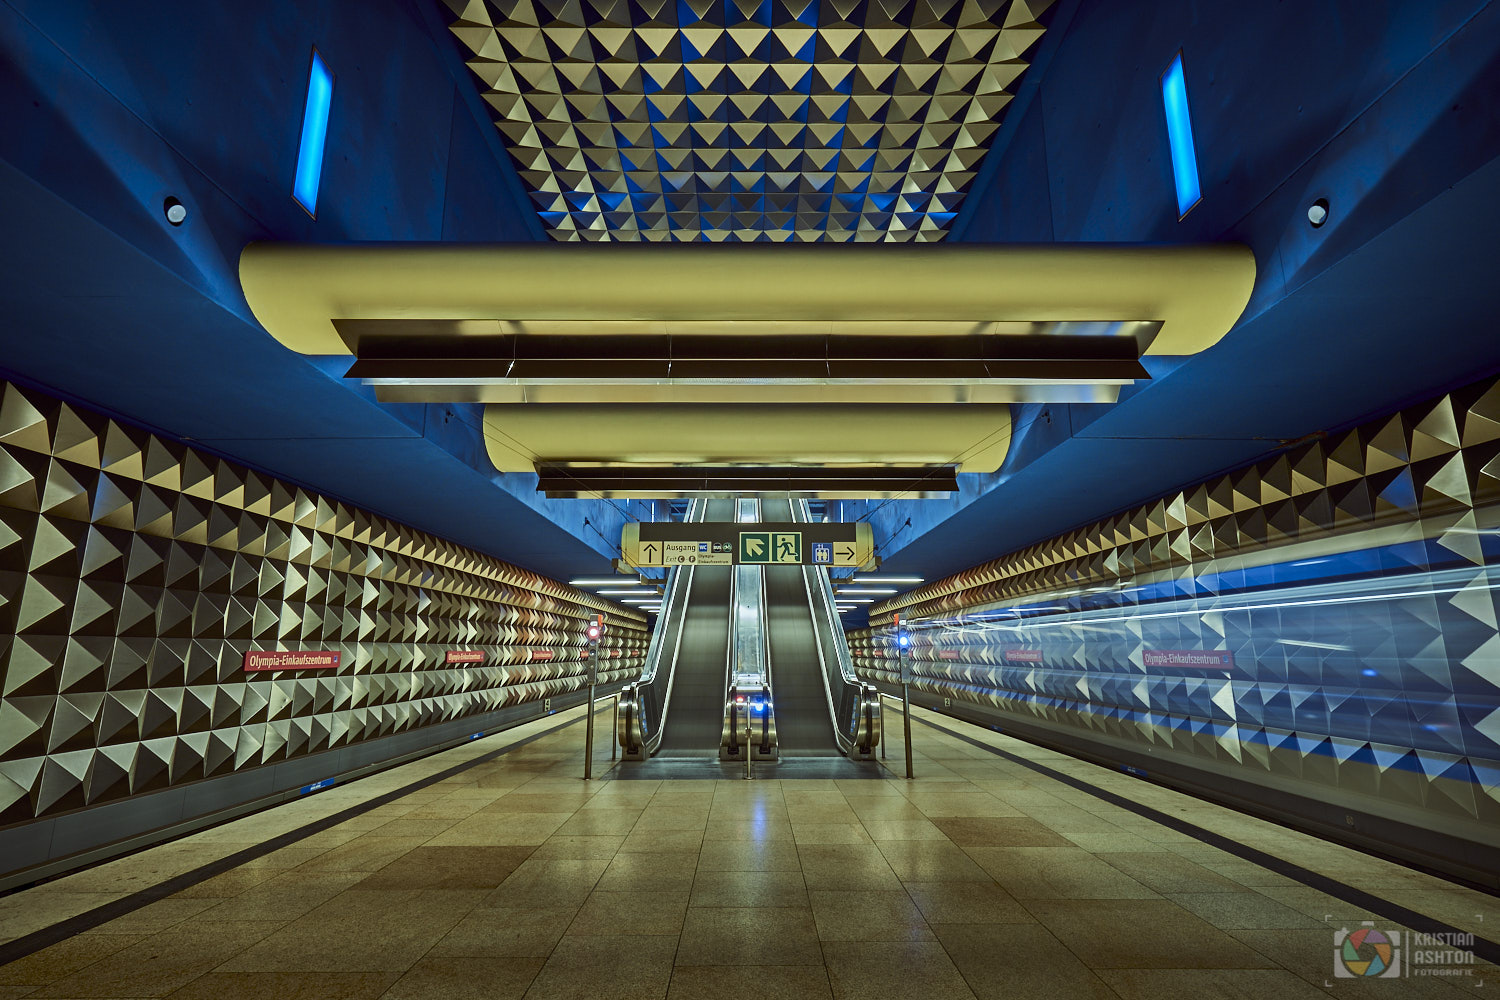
(614, 728)
(906, 723)
(748, 754)
(588, 739)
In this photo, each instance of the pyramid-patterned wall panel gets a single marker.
(748, 120)
(136, 573)
(1338, 605)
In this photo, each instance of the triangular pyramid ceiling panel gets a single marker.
(601, 103)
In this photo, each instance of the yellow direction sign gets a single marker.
(716, 543)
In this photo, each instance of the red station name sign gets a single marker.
(291, 659)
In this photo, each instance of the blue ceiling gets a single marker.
(1388, 110)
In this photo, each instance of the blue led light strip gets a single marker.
(314, 133)
(1180, 134)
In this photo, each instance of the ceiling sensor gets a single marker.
(1317, 214)
(175, 211)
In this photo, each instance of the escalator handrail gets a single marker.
(841, 649)
(844, 743)
(734, 585)
(653, 741)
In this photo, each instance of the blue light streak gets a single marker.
(314, 135)
(1180, 134)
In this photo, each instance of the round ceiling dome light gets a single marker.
(175, 211)
(1317, 213)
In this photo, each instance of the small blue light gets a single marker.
(905, 641)
(759, 706)
(1370, 672)
(314, 134)
(1180, 135)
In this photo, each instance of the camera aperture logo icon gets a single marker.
(1366, 953)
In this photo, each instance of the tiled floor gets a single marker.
(980, 879)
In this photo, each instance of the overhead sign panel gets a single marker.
(726, 543)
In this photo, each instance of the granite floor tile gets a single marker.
(1142, 934)
(1056, 873)
(545, 883)
(1164, 872)
(749, 936)
(506, 933)
(630, 872)
(1241, 910)
(749, 888)
(831, 833)
(473, 979)
(749, 856)
(668, 841)
(668, 818)
(903, 829)
(30, 911)
(882, 915)
(931, 861)
(63, 959)
(776, 982)
(288, 986)
(606, 968)
(559, 847)
(921, 970)
(846, 866)
(967, 903)
(1019, 962)
(718, 829)
(283, 898)
(157, 916)
(1192, 984)
(230, 883)
(500, 830)
(993, 831)
(641, 912)
(161, 963)
(360, 931)
(449, 868)
(600, 823)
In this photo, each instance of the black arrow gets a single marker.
(650, 556)
(849, 554)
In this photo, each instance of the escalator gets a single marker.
(804, 721)
(789, 644)
(695, 709)
(822, 710)
(687, 666)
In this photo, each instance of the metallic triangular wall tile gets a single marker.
(135, 573)
(1421, 487)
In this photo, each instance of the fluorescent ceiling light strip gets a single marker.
(314, 135)
(604, 581)
(520, 383)
(631, 592)
(866, 590)
(1180, 136)
(887, 579)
